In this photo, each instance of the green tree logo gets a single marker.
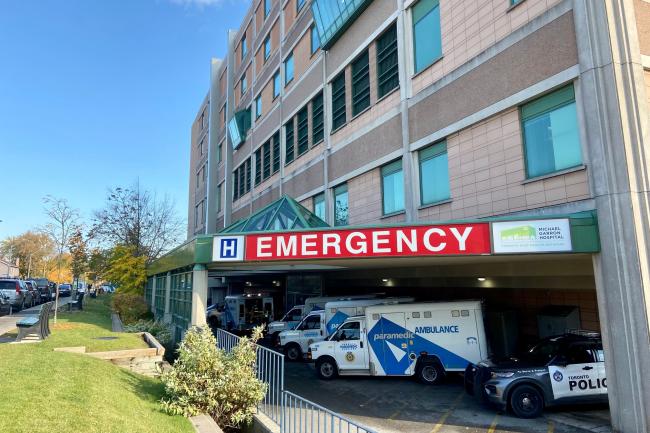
(520, 233)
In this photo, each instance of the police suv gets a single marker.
(565, 369)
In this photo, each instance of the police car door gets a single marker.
(350, 348)
(576, 375)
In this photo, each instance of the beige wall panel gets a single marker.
(470, 27)
(265, 199)
(642, 11)
(368, 22)
(378, 142)
(536, 58)
(298, 96)
(304, 182)
(486, 174)
(294, 27)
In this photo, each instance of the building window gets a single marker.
(319, 205)
(266, 149)
(258, 106)
(550, 130)
(315, 41)
(338, 101)
(317, 120)
(303, 131)
(360, 84)
(267, 8)
(427, 39)
(289, 144)
(242, 179)
(341, 205)
(276, 152)
(267, 47)
(242, 85)
(224, 115)
(219, 154)
(276, 85)
(299, 5)
(392, 187)
(244, 47)
(434, 174)
(387, 67)
(219, 205)
(288, 69)
(258, 166)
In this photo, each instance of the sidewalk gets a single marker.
(8, 323)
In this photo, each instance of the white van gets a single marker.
(294, 316)
(423, 339)
(317, 324)
(246, 311)
(288, 321)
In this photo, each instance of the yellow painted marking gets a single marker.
(493, 426)
(444, 416)
(551, 427)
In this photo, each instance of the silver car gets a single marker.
(15, 292)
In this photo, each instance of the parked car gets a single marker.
(34, 294)
(65, 290)
(565, 369)
(107, 288)
(44, 288)
(15, 291)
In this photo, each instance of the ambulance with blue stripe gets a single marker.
(426, 340)
(319, 324)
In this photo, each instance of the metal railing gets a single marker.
(291, 412)
(270, 370)
(300, 415)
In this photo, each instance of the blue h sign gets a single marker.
(228, 248)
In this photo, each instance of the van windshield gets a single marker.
(310, 322)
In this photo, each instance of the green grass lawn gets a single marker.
(47, 391)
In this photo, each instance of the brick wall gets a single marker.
(470, 27)
(486, 174)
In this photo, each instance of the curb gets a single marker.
(204, 424)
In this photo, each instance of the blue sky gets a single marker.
(100, 93)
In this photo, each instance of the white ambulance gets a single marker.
(316, 326)
(422, 339)
(244, 312)
(294, 316)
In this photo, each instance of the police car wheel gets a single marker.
(293, 352)
(526, 402)
(326, 369)
(430, 373)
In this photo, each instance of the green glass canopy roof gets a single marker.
(283, 214)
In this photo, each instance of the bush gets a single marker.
(130, 307)
(208, 380)
(159, 330)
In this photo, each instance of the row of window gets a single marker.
(297, 139)
(267, 159)
(387, 78)
(242, 179)
(551, 144)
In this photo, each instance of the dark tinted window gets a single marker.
(7, 285)
(311, 322)
(542, 352)
(579, 354)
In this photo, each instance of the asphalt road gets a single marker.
(391, 405)
(8, 323)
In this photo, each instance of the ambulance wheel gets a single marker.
(430, 372)
(293, 352)
(526, 402)
(326, 368)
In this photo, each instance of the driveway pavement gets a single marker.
(8, 323)
(392, 405)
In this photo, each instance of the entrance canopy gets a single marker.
(285, 235)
